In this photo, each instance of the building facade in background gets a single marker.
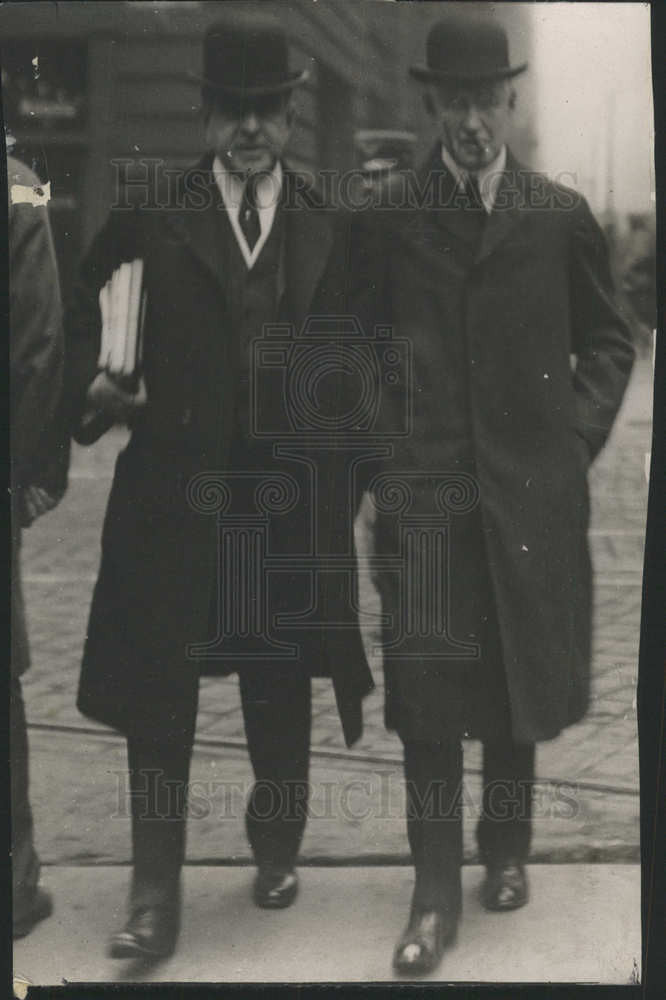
(92, 91)
(85, 85)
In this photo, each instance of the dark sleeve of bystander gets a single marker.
(39, 436)
(36, 349)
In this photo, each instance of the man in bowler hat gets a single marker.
(500, 280)
(241, 247)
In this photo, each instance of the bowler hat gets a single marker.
(467, 49)
(248, 59)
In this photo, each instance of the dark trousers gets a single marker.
(25, 863)
(159, 774)
(277, 714)
(433, 774)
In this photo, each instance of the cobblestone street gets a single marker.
(74, 762)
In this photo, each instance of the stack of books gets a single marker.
(122, 302)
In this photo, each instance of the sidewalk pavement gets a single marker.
(79, 759)
(581, 925)
(356, 811)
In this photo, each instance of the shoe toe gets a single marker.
(506, 896)
(274, 890)
(123, 945)
(505, 888)
(420, 949)
(411, 958)
(151, 932)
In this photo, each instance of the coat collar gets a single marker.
(308, 231)
(510, 203)
(193, 218)
(510, 200)
(488, 179)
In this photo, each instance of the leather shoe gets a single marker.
(505, 887)
(150, 932)
(41, 907)
(275, 888)
(422, 944)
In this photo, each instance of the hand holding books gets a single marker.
(106, 397)
(118, 389)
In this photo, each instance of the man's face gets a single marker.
(473, 121)
(248, 134)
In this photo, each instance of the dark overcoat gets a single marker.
(540, 356)
(159, 546)
(39, 442)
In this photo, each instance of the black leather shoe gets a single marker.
(41, 907)
(150, 932)
(505, 887)
(421, 946)
(275, 888)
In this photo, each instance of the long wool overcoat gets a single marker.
(159, 546)
(543, 358)
(39, 439)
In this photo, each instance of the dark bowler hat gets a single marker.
(249, 59)
(467, 48)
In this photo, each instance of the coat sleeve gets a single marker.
(36, 347)
(116, 242)
(601, 337)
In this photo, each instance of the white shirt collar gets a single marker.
(489, 177)
(231, 188)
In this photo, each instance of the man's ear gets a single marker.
(512, 98)
(289, 110)
(429, 103)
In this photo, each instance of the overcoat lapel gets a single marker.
(435, 178)
(198, 228)
(308, 236)
(309, 239)
(506, 214)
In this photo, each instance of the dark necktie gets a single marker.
(249, 214)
